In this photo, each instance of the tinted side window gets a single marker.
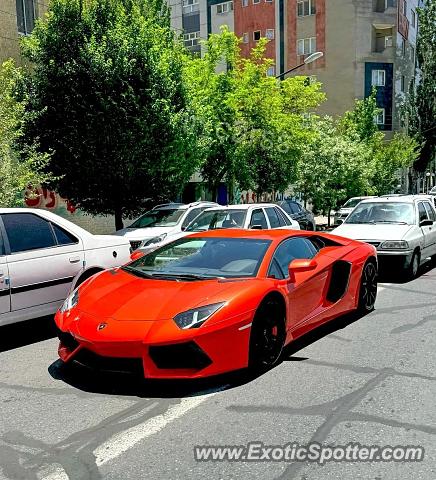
(284, 219)
(290, 250)
(422, 212)
(2, 245)
(63, 237)
(430, 211)
(258, 218)
(27, 231)
(274, 220)
(191, 215)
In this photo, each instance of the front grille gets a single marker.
(180, 356)
(67, 340)
(135, 244)
(113, 364)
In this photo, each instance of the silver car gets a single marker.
(402, 228)
(347, 208)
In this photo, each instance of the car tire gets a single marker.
(268, 334)
(411, 270)
(368, 287)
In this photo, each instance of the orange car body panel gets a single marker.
(138, 313)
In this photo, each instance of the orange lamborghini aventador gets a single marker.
(215, 301)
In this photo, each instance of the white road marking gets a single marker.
(121, 442)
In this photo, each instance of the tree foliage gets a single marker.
(106, 95)
(18, 169)
(422, 104)
(252, 125)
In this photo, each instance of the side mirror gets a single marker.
(340, 221)
(426, 223)
(256, 227)
(301, 265)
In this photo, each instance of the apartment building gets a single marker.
(17, 18)
(365, 43)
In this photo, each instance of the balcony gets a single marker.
(383, 40)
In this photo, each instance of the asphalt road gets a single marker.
(369, 380)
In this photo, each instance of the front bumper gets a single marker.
(155, 349)
(394, 259)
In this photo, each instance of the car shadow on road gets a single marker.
(20, 334)
(396, 276)
(119, 384)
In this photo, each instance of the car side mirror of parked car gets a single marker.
(301, 265)
(340, 221)
(426, 223)
(256, 227)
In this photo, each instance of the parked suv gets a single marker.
(163, 220)
(43, 257)
(305, 218)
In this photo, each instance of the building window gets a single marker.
(378, 78)
(412, 54)
(306, 7)
(245, 3)
(245, 38)
(306, 46)
(271, 72)
(191, 39)
(270, 33)
(25, 16)
(256, 1)
(413, 18)
(403, 83)
(405, 8)
(379, 118)
(403, 47)
(190, 6)
(222, 8)
(388, 41)
(268, 1)
(256, 35)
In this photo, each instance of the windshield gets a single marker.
(383, 212)
(214, 219)
(202, 258)
(352, 202)
(159, 218)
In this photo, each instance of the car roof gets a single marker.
(393, 199)
(181, 206)
(242, 206)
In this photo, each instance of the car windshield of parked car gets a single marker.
(214, 219)
(352, 202)
(382, 212)
(159, 218)
(202, 258)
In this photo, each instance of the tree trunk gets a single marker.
(118, 218)
(328, 217)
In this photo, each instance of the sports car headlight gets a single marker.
(394, 245)
(197, 316)
(71, 301)
(151, 241)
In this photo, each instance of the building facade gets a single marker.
(17, 19)
(366, 44)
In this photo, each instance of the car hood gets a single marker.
(144, 233)
(372, 232)
(121, 296)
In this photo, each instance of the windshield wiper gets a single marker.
(391, 221)
(137, 272)
(184, 276)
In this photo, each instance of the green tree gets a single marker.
(252, 125)
(422, 103)
(106, 96)
(333, 166)
(18, 169)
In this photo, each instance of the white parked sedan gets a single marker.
(247, 216)
(43, 256)
(154, 226)
(402, 228)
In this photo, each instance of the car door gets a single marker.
(425, 230)
(5, 298)
(258, 219)
(43, 259)
(431, 213)
(274, 220)
(306, 293)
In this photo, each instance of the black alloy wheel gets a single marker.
(368, 287)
